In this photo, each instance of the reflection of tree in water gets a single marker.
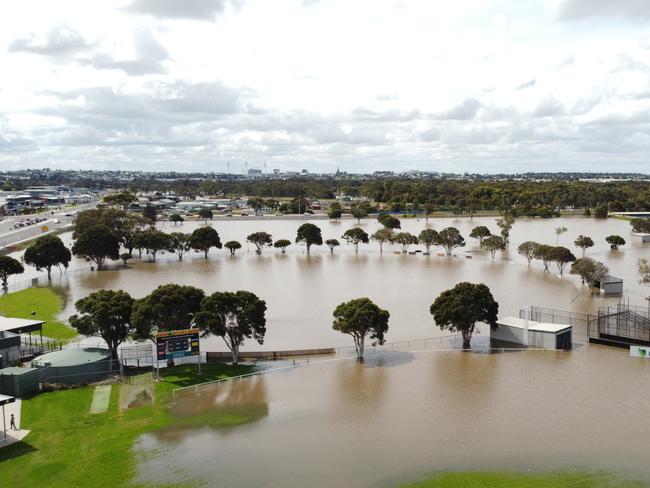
(361, 386)
(229, 404)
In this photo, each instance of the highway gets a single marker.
(55, 220)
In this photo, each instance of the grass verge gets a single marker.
(47, 306)
(512, 480)
(68, 446)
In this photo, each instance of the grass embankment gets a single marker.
(511, 480)
(47, 306)
(68, 446)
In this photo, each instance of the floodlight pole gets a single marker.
(4, 421)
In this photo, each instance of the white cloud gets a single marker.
(475, 85)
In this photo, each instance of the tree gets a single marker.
(205, 214)
(105, 313)
(505, 224)
(428, 238)
(558, 232)
(561, 256)
(259, 240)
(358, 213)
(589, 270)
(138, 241)
(583, 242)
(332, 243)
(449, 238)
(97, 244)
(355, 236)
(233, 317)
(125, 256)
(527, 250)
(168, 307)
(232, 246)
(601, 212)
(361, 318)
(149, 212)
(123, 200)
(176, 218)
(389, 222)
(128, 227)
(46, 252)
(460, 308)
(615, 241)
(335, 211)
(155, 241)
(179, 244)
(641, 226)
(480, 232)
(404, 239)
(428, 210)
(382, 236)
(309, 234)
(9, 266)
(544, 253)
(282, 244)
(493, 244)
(643, 267)
(203, 239)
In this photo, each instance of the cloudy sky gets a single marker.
(474, 85)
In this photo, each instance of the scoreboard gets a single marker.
(172, 344)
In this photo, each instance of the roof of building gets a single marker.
(532, 325)
(5, 399)
(611, 279)
(12, 324)
(73, 357)
(15, 370)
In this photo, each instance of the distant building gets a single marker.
(255, 173)
(611, 285)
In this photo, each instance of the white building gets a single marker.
(611, 285)
(528, 333)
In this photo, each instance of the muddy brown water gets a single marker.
(403, 415)
(302, 290)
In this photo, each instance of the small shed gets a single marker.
(528, 333)
(645, 238)
(611, 285)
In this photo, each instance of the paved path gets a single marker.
(12, 435)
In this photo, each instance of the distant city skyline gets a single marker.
(212, 85)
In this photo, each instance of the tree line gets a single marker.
(116, 317)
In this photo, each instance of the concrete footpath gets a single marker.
(12, 435)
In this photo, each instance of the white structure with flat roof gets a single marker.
(611, 285)
(529, 333)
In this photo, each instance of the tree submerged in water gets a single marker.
(460, 308)
(361, 318)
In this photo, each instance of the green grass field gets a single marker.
(68, 446)
(512, 480)
(47, 306)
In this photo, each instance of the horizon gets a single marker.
(478, 87)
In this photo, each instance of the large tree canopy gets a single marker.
(382, 236)
(105, 313)
(203, 239)
(449, 238)
(259, 240)
(361, 318)
(46, 252)
(310, 234)
(234, 317)
(168, 307)
(590, 271)
(428, 238)
(460, 308)
(9, 266)
(355, 236)
(97, 244)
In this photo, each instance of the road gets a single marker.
(55, 220)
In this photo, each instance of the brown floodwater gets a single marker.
(302, 290)
(403, 415)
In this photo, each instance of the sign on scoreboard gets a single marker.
(172, 344)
